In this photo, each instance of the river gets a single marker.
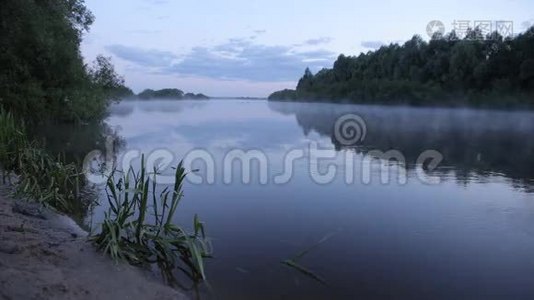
(381, 224)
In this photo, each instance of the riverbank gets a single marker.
(44, 255)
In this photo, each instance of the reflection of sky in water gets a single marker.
(276, 128)
(216, 127)
(466, 236)
(206, 125)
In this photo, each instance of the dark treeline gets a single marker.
(476, 70)
(42, 73)
(170, 94)
(45, 87)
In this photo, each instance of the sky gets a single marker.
(252, 48)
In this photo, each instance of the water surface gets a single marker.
(470, 235)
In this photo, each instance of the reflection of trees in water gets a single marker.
(121, 109)
(471, 141)
(73, 143)
(127, 107)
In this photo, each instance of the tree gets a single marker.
(444, 70)
(306, 81)
(526, 73)
(43, 75)
(103, 74)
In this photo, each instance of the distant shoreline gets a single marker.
(239, 98)
(406, 103)
(209, 98)
(478, 70)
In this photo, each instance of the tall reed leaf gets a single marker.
(130, 232)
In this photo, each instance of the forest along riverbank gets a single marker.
(45, 255)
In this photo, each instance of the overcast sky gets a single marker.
(251, 48)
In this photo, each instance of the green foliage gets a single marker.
(43, 75)
(139, 224)
(526, 73)
(49, 181)
(284, 95)
(106, 80)
(40, 176)
(446, 70)
(170, 94)
(164, 93)
(194, 96)
(12, 140)
(131, 233)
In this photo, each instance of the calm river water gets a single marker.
(464, 228)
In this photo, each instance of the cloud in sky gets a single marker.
(318, 41)
(143, 57)
(372, 44)
(285, 33)
(238, 58)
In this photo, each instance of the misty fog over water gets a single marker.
(471, 232)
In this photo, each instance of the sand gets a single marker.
(45, 255)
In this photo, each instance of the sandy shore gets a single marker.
(44, 255)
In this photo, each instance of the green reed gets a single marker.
(48, 180)
(39, 175)
(12, 140)
(129, 233)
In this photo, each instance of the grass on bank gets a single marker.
(139, 228)
(139, 225)
(12, 139)
(39, 175)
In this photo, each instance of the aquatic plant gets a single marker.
(294, 263)
(12, 139)
(129, 233)
(39, 175)
(48, 180)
